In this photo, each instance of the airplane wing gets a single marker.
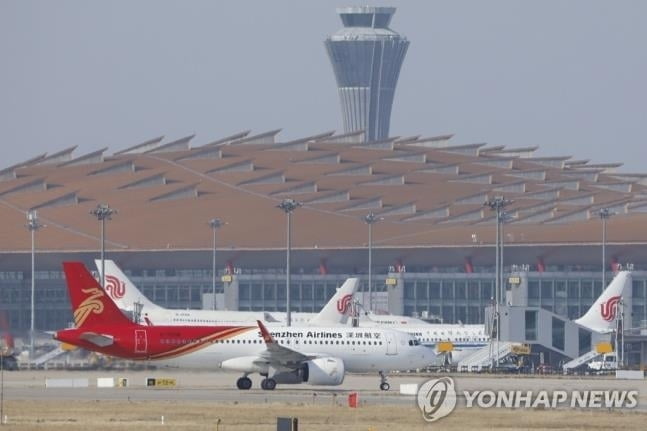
(280, 356)
(98, 339)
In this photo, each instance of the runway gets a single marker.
(220, 387)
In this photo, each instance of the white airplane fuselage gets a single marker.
(166, 316)
(465, 339)
(361, 349)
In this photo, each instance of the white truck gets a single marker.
(607, 363)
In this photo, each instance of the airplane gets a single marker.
(288, 355)
(336, 312)
(466, 339)
(126, 295)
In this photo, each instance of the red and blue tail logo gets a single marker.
(343, 303)
(608, 309)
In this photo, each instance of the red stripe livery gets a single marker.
(102, 327)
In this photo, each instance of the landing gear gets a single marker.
(268, 384)
(244, 383)
(384, 385)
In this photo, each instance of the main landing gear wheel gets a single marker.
(244, 383)
(268, 384)
(384, 385)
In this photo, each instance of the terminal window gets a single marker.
(558, 333)
(584, 341)
(531, 325)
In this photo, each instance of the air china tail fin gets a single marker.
(90, 304)
(601, 316)
(122, 290)
(337, 310)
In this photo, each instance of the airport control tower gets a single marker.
(366, 56)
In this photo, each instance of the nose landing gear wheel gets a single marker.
(244, 383)
(268, 384)
(384, 385)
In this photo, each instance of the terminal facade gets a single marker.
(449, 297)
(435, 237)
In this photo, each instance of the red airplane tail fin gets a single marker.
(90, 303)
(5, 333)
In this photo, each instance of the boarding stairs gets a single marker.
(47, 357)
(580, 360)
(483, 358)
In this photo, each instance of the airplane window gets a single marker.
(353, 342)
(364, 342)
(337, 342)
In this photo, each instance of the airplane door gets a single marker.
(391, 344)
(141, 342)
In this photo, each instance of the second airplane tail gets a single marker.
(602, 314)
(122, 290)
(338, 308)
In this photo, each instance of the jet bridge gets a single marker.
(558, 339)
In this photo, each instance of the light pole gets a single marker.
(33, 225)
(504, 218)
(620, 337)
(288, 205)
(103, 212)
(604, 214)
(215, 224)
(370, 219)
(497, 204)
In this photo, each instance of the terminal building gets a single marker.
(433, 246)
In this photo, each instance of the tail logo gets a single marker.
(91, 304)
(608, 309)
(115, 287)
(343, 304)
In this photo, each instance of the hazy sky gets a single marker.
(568, 76)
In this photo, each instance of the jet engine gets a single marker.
(324, 371)
(321, 371)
